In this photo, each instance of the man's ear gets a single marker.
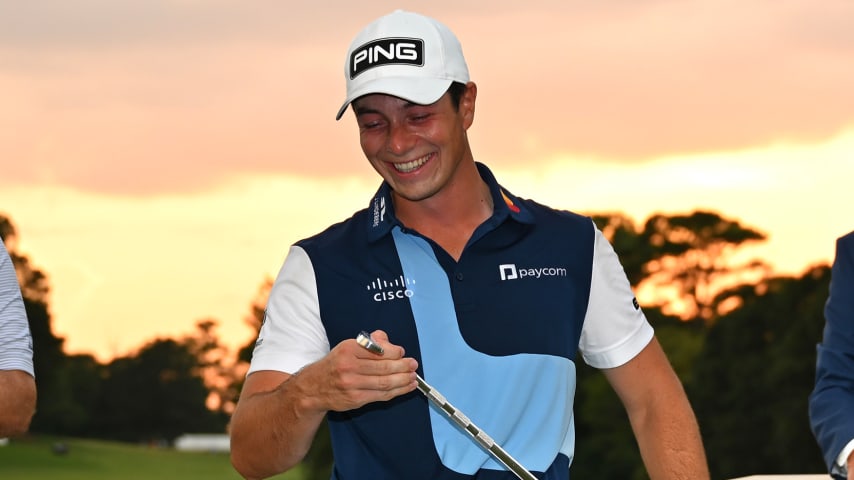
(467, 104)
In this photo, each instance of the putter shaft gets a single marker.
(458, 417)
(474, 431)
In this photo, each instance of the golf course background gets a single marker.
(42, 458)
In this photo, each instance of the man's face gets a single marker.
(415, 148)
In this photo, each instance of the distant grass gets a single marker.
(32, 458)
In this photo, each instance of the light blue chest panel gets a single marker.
(523, 401)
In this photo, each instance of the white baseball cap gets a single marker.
(406, 55)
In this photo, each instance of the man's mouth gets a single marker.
(411, 166)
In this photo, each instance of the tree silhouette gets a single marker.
(156, 395)
(685, 258)
(7, 230)
(696, 250)
(629, 242)
(215, 366)
(48, 355)
(255, 318)
(73, 406)
(755, 373)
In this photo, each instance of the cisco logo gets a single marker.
(388, 290)
(509, 271)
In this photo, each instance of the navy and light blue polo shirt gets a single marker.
(496, 332)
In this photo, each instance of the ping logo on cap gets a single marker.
(386, 51)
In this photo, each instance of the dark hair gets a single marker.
(457, 89)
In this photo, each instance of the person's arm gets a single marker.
(661, 416)
(832, 400)
(17, 385)
(278, 414)
(17, 402)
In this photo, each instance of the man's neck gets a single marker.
(451, 216)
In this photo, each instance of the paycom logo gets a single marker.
(509, 271)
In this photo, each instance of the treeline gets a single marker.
(741, 339)
(168, 387)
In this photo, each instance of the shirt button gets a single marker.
(459, 276)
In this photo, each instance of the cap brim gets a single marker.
(422, 91)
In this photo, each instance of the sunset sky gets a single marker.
(158, 157)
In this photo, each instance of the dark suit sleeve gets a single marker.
(831, 405)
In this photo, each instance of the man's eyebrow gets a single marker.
(362, 110)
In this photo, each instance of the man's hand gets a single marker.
(278, 414)
(350, 376)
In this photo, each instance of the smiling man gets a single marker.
(488, 296)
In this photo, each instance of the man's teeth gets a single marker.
(410, 166)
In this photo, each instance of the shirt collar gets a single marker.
(382, 218)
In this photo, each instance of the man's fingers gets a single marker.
(390, 350)
(391, 383)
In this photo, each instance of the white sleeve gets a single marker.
(842, 459)
(292, 335)
(615, 328)
(16, 343)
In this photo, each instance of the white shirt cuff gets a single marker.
(842, 459)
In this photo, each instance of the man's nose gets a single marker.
(400, 139)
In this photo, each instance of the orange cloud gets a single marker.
(177, 95)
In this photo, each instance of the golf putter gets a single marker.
(458, 417)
